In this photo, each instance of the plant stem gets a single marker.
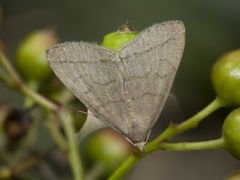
(170, 132)
(8, 172)
(125, 167)
(57, 135)
(73, 154)
(5, 63)
(192, 122)
(189, 146)
(16, 82)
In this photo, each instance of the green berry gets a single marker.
(225, 77)
(117, 39)
(231, 132)
(107, 148)
(30, 59)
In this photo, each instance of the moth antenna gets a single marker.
(83, 112)
(89, 113)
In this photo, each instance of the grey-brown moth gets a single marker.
(126, 90)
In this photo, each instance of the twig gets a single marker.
(66, 119)
(170, 132)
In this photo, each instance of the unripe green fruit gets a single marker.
(231, 132)
(225, 77)
(107, 148)
(117, 39)
(30, 59)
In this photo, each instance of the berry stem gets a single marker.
(189, 146)
(192, 122)
(14, 80)
(170, 132)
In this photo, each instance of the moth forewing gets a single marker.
(126, 90)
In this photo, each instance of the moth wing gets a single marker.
(151, 62)
(90, 72)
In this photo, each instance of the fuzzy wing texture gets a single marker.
(91, 73)
(150, 63)
(128, 90)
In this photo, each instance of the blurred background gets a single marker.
(212, 28)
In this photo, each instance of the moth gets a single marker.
(127, 90)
